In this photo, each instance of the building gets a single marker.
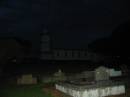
(50, 53)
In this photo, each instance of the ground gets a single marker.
(23, 91)
(55, 93)
(39, 90)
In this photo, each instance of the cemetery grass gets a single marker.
(23, 91)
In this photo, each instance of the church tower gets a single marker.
(45, 45)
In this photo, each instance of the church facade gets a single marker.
(50, 53)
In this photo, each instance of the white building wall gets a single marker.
(95, 92)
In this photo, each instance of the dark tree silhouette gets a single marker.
(117, 45)
(13, 50)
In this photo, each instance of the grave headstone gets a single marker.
(59, 76)
(27, 79)
(101, 74)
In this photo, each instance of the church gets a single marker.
(48, 52)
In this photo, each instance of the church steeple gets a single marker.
(45, 41)
(45, 45)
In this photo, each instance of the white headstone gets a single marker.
(101, 74)
(27, 79)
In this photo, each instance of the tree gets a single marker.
(117, 45)
(13, 50)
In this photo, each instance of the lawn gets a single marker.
(23, 91)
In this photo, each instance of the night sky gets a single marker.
(72, 23)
